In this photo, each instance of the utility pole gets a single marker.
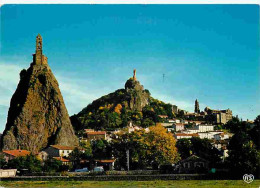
(127, 159)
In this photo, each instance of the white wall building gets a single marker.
(221, 136)
(59, 151)
(178, 126)
(205, 128)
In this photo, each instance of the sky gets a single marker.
(205, 52)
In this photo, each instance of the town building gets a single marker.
(221, 136)
(178, 126)
(220, 116)
(59, 150)
(108, 164)
(184, 135)
(193, 164)
(12, 154)
(163, 116)
(63, 160)
(95, 135)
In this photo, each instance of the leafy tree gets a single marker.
(255, 132)
(3, 162)
(235, 125)
(200, 147)
(244, 154)
(52, 165)
(130, 141)
(29, 162)
(161, 146)
(101, 149)
(156, 147)
(184, 147)
(75, 156)
(87, 154)
(204, 148)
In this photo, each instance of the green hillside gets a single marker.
(117, 109)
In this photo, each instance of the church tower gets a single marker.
(197, 107)
(38, 57)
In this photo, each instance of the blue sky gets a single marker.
(208, 52)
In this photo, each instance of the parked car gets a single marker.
(99, 169)
(82, 170)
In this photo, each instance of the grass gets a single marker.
(102, 184)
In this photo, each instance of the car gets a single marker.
(82, 170)
(99, 169)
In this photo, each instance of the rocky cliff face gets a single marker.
(137, 96)
(37, 115)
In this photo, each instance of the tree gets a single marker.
(235, 125)
(161, 146)
(124, 141)
(3, 162)
(244, 154)
(29, 162)
(75, 156)
(52, 165)
(255, 132)
(153, 148)
(200, 147)
(101, 149)
(87, 154)
(184, 147)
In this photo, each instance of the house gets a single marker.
(221, 136)
(209, 135)
(196, 122)
(108, 164)
(192, 164)
(174, 120)
(184, 135)
(205, 128)
(95, 135)
(11, 154)
(63, 160)
(221, 145)
(178, 126)
(163, 116)
(59, 150)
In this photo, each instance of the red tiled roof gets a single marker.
(61, 159)
(96, 133)
(60, 147)
(106, 160)
(17, 153)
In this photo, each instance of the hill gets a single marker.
(117, 109)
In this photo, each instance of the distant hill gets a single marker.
(117, 109)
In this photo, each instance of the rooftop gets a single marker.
(184, 134)
(60, 147)
(61, 159)
(96, 133)
(17, 153)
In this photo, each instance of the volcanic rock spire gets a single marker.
(37, 116)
